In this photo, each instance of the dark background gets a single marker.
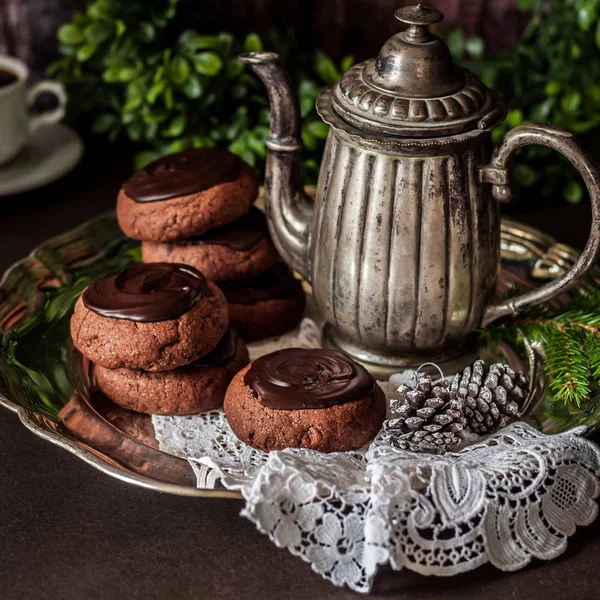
(339, 27)
(68, 531)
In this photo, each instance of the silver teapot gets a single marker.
(401, 244)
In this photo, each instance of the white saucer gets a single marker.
(52, 151)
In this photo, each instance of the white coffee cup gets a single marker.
(16, 124)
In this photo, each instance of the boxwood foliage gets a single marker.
(552, 75)
(151, 73)
(161, 74)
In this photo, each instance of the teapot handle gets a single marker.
(496, 173)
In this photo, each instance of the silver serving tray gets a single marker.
(49, 386)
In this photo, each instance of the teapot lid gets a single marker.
(413, 88)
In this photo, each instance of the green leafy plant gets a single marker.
(571, 341)
(146, 76)
(551, 75)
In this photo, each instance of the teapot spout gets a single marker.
(288, 208)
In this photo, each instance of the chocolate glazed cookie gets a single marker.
(186, 194)
(239, 250)
(300, 398)
(155, 316)
(265, 306)
(187, 390)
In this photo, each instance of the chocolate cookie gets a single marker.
(187, 390)
(267, 305)
(299, 398)
(186, 194)
(239, 250)
(155, 316)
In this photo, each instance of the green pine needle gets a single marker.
(571, 340)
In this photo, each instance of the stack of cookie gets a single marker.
(158, 336)
(195, 207)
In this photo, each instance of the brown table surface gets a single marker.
(68, 531)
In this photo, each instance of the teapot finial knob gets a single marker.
(418, 17)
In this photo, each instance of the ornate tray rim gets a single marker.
(77, 448)
(30, 419)
(91, 458)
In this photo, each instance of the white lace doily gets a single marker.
(512, 497)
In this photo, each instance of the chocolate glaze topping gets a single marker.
(222, 354)
(296, 378)
(242, 234)
(147, 293)
(277, 282)
(183, 173)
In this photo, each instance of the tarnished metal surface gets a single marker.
(290, 210)
(402, 250)
(567, 144)
(121, 443)
(413, 88)
(405, 253)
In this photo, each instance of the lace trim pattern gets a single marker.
(506, 499)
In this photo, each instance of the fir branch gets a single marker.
(571, 339)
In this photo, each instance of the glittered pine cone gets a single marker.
(490, 398)
(424, 419)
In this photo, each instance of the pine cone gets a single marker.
(489, 400)
(425, 419)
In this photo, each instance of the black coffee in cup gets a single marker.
(7, 77)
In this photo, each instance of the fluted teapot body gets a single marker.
(402, 242)
(404, 251)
